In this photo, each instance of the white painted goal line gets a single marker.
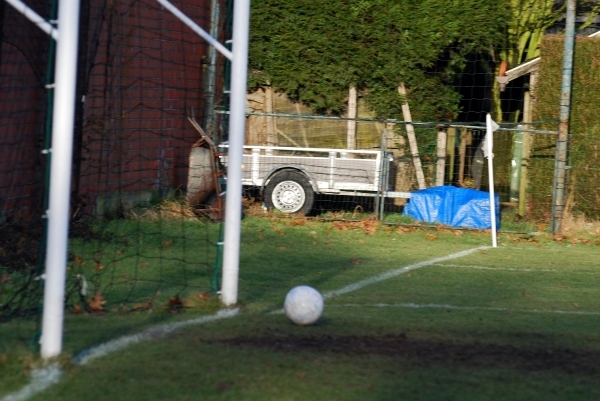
(396, 272)
(393, 273)
(410, 305)
(159, 331)
(514, 269)
(42, 379)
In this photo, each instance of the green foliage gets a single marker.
(584, 139)
(529, 20)
(313, 51)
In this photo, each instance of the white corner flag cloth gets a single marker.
(490, 126)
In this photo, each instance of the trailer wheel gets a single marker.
(290, 192)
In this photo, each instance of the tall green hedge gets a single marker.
(314, 50)
(584, 140)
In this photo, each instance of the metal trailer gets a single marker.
(290, 177)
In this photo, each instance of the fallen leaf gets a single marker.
(526, 294)
(431, 237)
(99, 267)
(355, 261)
(576, 305)
(143, 265)
(563, 286)
(458, 233)
(204, 296)
(76, 309)
(175, 304)
(96, 303)
(78, 261)
(145, 306)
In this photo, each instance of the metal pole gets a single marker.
(34, 17)
(196, 28)
(237, 128)
(209, 82)
(562, 143)
(489, 138)
(60, 178)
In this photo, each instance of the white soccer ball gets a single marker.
(303, 305)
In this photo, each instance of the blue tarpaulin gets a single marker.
(454, 207)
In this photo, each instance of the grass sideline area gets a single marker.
(519, 322)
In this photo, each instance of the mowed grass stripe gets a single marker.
(409, 305)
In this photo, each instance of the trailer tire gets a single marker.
(290, 192)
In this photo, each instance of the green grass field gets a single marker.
(517, 322)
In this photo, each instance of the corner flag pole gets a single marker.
(490, 127)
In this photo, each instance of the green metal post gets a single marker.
(562, 143)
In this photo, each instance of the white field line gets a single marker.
(409, 305)
(513, 269)
(152, 333)
(42, 379)
(496, 268)
(393, 273)
(396, 272)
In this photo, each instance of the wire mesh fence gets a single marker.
(449, 154)
(150, 151)
(135, 245)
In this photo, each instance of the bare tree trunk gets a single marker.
(352, 112)
(302, 126)
(271, 131)
(440, 169)
(462, 154)
(412, 140)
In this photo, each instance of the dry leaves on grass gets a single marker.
(147, 305)
(204, 296)
(175, 304)
(369, 226)
(96, 303)
(443, 228)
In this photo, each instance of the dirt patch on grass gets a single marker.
(430, 353)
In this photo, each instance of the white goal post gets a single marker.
(62, 149)
(237, 128)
